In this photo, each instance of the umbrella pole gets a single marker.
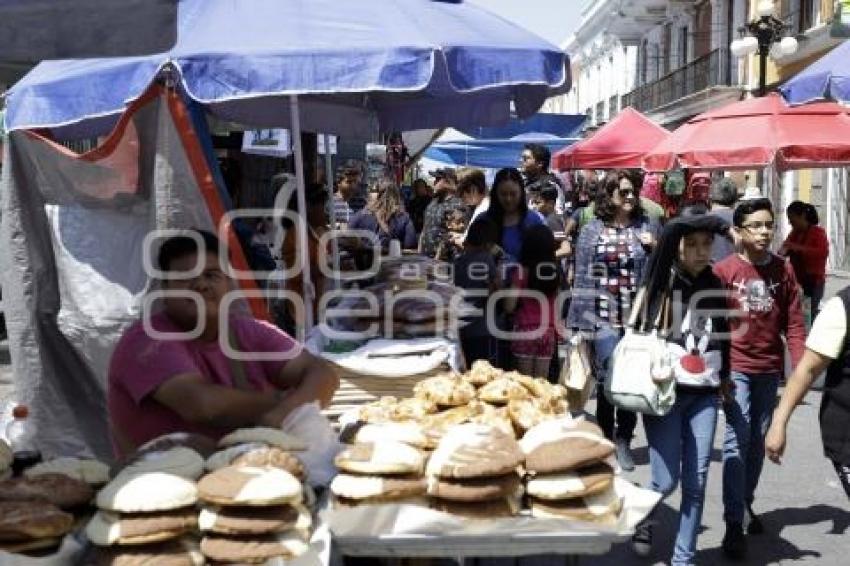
(304, 248)
(330, 187)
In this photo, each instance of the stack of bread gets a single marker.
(147, 511)
(252, 498)
(568, 476)
(487, 395)
(475, 472)
(384, 464)
(36, 512)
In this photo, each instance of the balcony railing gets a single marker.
(709, 70)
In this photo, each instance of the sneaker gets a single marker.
(642, 540)
(624, 455)
(734, 543)
(752, 521)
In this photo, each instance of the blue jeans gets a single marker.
(680, 448)
(747, 421)
(614, 422)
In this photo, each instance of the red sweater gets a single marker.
(809, 265)
(766, 299)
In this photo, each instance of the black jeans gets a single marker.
(843, 471)
(614, 422)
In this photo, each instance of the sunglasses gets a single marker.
(626, 192)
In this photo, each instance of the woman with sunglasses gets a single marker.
(611, 254)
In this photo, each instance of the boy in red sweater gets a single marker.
(763, 295)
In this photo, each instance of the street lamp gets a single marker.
(766, 38)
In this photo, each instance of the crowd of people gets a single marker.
(727, 305)
(578, 260)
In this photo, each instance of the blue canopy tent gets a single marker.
(500, 146)
(828, 78)
(492, 154)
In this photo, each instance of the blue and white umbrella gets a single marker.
(352, 67)
(358, 66)
(826, 79)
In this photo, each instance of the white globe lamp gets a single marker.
(788, 45)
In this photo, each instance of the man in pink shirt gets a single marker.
(160, 384)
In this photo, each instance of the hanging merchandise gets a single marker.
(675, 184)
(397, 157)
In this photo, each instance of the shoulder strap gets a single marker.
(237, 366)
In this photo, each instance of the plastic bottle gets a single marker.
(21, 436)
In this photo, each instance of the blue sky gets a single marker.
(554, 20)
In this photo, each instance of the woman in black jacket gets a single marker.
(681, 286)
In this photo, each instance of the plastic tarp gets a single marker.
(828, 78)
(72, 257)
(619, 144)
(758, 132)
(357, 67)
(491, 153)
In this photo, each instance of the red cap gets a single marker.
(20, 411)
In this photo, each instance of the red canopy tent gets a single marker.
(620, 144)
(756, 133)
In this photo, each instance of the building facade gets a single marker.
(671, 60)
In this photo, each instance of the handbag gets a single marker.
(641, 378)
(577, 373)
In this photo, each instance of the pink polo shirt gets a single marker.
(140, 364)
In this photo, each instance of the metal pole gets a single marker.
(309, 290)
(330, 187)
(763, 50)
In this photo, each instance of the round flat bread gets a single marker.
(17, 547)
(407, 433)
(501, 390)
(179, 552)
(144, 493)
(177, 461)
(343, 503)
(60, 490)
(238, 521)
(568, 485)
(250, 486)
(447, 390)
(93, 472)
(385, 457)
(6, 456)
(376, 487)
(411, 409)
(538, 387)
(256, 455)
(564, 445)
(264, 435)
(482, 373)
(203, 445)
(255, 550)
(475, 450)
(475, 489)
(484, 510)
(377, 411)
(107, 528)
(497, 417)
(600, 508)
(26, 520)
